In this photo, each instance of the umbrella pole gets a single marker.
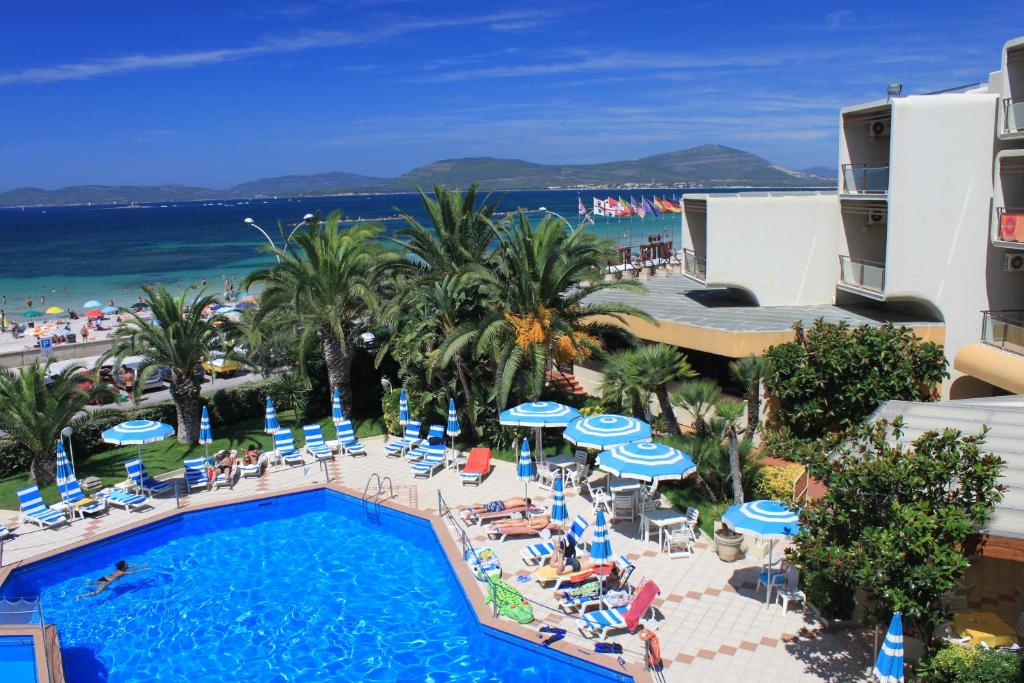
(768, 589)
(540, 444)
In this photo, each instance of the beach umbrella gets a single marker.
(270, 423)
(453, 427)
(646, 461)
(248, 299)
(769, 519)
(94, 314)
(403, 408)
(337, 414)
(54, 310)
(605, 431)
(601, 546)
(559, 510)
(889, 665)
(30, 314)
(64, 472)
(92, 303)
(538, 414)
(205, 431)
(524, 466)
(137, 433)
(109, 309)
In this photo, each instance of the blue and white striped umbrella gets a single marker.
(559, 510)
(92, 303)
(889, 665)
(403, 408)
(65, 475)
(137, 432)
(605, 431)
(270, 423)
(524, 466)
(454, 428)
(769, 519)
(646, 461)
(538, 414)
(205, 430)
(337, 414)
(601, 546)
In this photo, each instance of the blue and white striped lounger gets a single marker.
(195, 473)
(536, 553)
(81, 504)
(315, 445)
(602, 621)
(398, 447)
(145, 483)
(128, 501)
(34, 510)
(428, 465)
(347, 440)
(433, 444)
(285, 447)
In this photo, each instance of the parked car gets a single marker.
(157, 379)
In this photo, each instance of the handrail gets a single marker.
(865, 178)
(862, 273)
(1011, 107)
(34, 606)
(375, 498)
(1003, 330)
(695, 267)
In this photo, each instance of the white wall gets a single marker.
(781, 249)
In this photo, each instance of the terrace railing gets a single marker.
(1004, 330)
(865, 179)
(695, 267)
(1013, 115)
(862, 274)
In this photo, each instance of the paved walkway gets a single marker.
(712, 624)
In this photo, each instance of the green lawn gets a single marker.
(168, 455)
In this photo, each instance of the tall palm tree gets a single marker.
(34, 410)
(729, 412)
(324, 282)
(177, 336)
(537, 285)
(698, 397)
(750, 372)
(660, 364)
(620, 382)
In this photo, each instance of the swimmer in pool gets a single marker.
(122, 568)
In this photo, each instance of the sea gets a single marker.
(64, 256)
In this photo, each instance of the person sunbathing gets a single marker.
(122, 568)
(495, 505)
(537, 523)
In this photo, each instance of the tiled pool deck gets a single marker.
(711, 625)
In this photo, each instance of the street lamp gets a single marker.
(305, 220)
(557, 215)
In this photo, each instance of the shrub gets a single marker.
(833, 599)
(13, 458)
(417, 403)
(776, 483)
(959, 664)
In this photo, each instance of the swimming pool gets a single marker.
(294, 588)
(18, 659)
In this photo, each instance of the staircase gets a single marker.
(564, 381)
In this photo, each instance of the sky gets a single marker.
(214, 94)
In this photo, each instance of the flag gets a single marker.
(648, 207)
(601, 208)
(582, 209)
(636, 208)
(624, 209)
(658, 203)
(671, 207)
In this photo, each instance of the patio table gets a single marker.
(561, 461)
(662, 518)
(984, 627)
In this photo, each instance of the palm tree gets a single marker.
(660, 364)
(698, 397)
(177, 336)
(266, 341)
(729, 412)
(620, 382)
(34, 409)
(324, 283)
(536, 286)
(750, 371)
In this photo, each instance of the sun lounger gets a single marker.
(257, 469)
(478, 465)
(479, 519)
(523, 529)
(432, 445)
(315, 445)
(4, 531)
(534, 554)
(34, 510)
(599, 623)
(195, 473)
(80, 504)
(284, 445)
(145, 483)
(548, 574)
(228, 478)
(347, 439)
(410, 439)
(129, 501)
(428, 466)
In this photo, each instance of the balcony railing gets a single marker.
(695, 266)
(865, 179)
(862, 274)
(1011, 224)
(1003, 330)
(1013, 116)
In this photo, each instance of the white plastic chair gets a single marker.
(546, 477)
(599, 497)
(622, 505)
(679, 542)
(577, 477)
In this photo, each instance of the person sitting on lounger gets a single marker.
(122, 568)
(225, 461)
(496, 505)
(564, 558)
(538, 522)
(252, 456)
(591, 586)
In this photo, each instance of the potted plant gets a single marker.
(727, 543)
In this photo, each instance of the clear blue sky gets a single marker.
(216, 93)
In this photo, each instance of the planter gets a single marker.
(728, 546)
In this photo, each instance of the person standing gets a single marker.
(129, 383)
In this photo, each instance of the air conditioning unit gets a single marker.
(878, 129)
(1013, 263)
(876, 216)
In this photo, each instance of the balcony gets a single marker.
(863, 179)
(695, 267)
(1013, 116)
(862, 276)
(1010, 226)
(1004, 330)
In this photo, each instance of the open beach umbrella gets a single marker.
(205, 431)
(137, 433)
(30, 314)
(769, 519)
(54, 310)
(524, 466)
(94, 314)
(92, 303)
(646, 461)
(889, 665)
(109, 309)
(453, 427)
(559, 510)
(64, 472)
(605, 431)
(403, 408)
(270, 423)
(337, 414)
(538, 414)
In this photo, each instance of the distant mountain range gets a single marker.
(704, 166)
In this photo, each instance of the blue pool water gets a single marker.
(298, 588)
(18, 659)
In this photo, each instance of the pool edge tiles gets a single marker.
(469, 587)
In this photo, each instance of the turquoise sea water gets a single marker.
(73, 254)
(297, 588)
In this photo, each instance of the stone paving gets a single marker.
(711, 623)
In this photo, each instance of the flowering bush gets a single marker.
(777, 483)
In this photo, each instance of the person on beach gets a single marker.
(122, 568)
(129, 382)
(28, 302)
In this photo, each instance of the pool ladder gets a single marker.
(371, 500)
